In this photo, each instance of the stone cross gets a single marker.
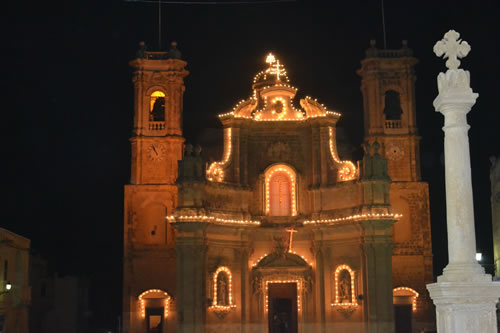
(290, 240)
(452, 48)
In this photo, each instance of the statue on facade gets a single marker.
(344, 288)
(141, 53)
(222, 291)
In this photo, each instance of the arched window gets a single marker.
(392, 108)
(344, 286)
(280, 191)
(223, 289)
(157, 106)
(280, 194)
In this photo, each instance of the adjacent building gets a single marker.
(14, 282)
(59, 304)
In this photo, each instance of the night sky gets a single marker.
(69, 116)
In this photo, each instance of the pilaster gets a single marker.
(377, 276)
(191, 277)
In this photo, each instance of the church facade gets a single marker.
(281, 234)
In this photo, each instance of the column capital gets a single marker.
(455, 93)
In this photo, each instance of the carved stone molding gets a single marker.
(346, 310)
(279, 151)
(222, 311)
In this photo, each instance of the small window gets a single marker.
(157, 106)
(392, 108)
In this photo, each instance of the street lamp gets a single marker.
(8, 287)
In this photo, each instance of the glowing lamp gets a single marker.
(479, 256)
(8, 286)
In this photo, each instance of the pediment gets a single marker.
(282, 260)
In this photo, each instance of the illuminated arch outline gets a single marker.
(293, 193)
(413, 293)
(143, 301)
(215, 306)
(353, 294)
(215, 172)
(348, 169)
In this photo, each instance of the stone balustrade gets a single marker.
(156, 125)
(393, 124)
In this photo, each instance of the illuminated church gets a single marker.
(281, 234)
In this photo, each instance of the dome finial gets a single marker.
(275, 67)
(270, 59)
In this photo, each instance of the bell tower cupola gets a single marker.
(157, 141)
(388, 88)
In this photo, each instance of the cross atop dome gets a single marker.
(275, 67)
(274, 74)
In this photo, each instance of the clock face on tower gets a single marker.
(394, 152)
(156, 152)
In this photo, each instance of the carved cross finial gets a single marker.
(275, 68)
(452, 48)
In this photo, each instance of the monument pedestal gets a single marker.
(466, 307)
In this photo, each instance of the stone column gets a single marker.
(464, 296)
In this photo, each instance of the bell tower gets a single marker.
(157, 141)
(156, 147)
(388, 87)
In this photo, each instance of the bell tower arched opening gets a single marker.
(157, 106)
(392, 109)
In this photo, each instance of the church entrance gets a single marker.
(154, 320)
(282, 307)
(402, 318)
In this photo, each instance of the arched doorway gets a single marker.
(153, 305)
(281, 282)
(405, 303)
